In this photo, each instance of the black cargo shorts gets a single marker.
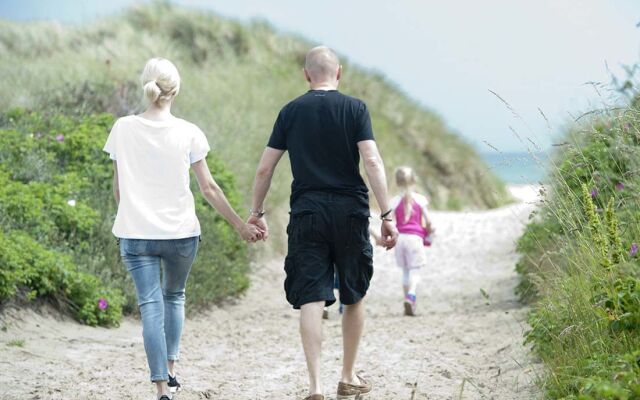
(328, 233)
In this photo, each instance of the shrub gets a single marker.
(67, 207)
(579, 264)
(44, 273)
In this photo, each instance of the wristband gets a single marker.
(384, 216)
(257, 214)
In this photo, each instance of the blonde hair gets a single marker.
(406, 179)
(160, 81)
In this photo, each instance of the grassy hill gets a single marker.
(235, 79)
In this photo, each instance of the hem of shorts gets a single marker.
(313, 299)
(158, 237)
(356, 299)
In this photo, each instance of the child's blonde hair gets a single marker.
(405, 177)
(160, 81)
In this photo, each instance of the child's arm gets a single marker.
(376, 237)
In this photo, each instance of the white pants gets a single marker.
(410, 251)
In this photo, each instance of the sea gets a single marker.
(518, 167)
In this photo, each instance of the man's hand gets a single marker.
(261, 223)
(251, 233)
(389, 235)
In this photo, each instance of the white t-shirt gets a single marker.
(153, 159)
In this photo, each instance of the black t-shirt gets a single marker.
(321, 129)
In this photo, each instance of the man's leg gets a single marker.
(311, 333)
(352, 326)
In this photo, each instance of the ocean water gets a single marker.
(518, 168)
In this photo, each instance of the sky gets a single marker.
(536, 55)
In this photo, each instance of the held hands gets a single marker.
(261, 224)
(251, 233)
(388, 235)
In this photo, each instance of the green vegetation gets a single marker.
(580, 264)
(15, 343)
(55, 183)
(56, 212)
(235, 80)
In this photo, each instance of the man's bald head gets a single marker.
(322, 64)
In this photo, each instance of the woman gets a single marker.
(156, 222)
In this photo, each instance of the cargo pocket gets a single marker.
(289, 288)
(303, 226)
(358, 229)
(366, 263)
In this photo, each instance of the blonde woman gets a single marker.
(156, 223)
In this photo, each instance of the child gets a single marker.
(412, 221)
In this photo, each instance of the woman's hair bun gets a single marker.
(160, 80)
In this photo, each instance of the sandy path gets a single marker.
(458, 347)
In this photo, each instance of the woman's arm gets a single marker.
(215, 196)
(116, 186)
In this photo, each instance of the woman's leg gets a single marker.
(177, 260)
(145, 271)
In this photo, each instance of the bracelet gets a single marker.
(387, 219)
(257, 214)
(384, 216)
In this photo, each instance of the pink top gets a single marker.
(414, 225)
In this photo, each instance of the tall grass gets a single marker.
(235, 79)
(580, 265)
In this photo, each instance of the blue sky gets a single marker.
(448, 54)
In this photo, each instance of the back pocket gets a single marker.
(304, 226)
(134, 247)
(186, 247)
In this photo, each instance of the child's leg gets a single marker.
(406, 280)
(410, 280)
(413, 280)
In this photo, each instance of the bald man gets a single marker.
(326, 133)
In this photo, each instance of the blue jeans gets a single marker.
(161, 303)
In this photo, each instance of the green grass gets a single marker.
(15, 343)
(578, 270)
(235, 79)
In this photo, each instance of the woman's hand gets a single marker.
(261, 223)
(250, 233)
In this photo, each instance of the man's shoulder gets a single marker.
(295, 101)
(352, 99)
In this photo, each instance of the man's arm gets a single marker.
(374, 167)
(262, 182)
(116, 185)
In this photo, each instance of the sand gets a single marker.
(462, 345)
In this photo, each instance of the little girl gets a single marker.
(412, 221)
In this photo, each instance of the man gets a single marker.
(325, 133)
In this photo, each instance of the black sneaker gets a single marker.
(164, 397)
(173, 383)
